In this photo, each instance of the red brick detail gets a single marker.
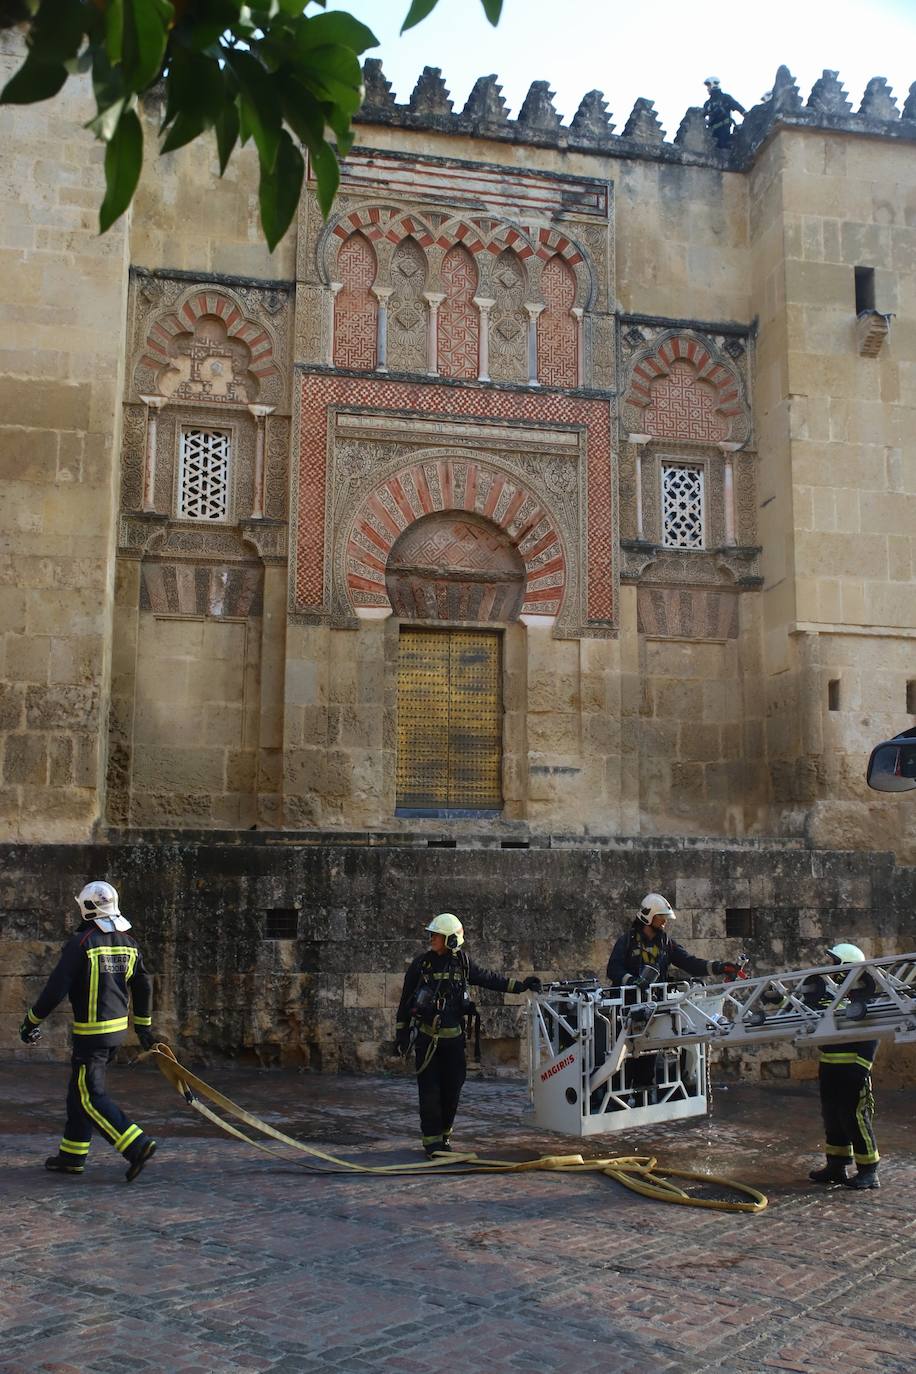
(318, 392)
(459, 322)
(355, 307)
(160, 341)
(558, 363)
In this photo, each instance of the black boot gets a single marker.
(143, 1156)
(865, 1177)
(60, 1164)
(833, 1172)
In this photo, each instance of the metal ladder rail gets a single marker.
(892, 1014)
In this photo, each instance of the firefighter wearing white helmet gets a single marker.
(101, 971)
(719, 110)
(844, 1081)
(645, 951)
(433, 1013)
(642, 956)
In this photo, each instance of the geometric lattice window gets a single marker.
(203, 475)
(682, 507)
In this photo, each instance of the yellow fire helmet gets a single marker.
(448, 925)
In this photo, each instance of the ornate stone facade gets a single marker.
(529, 376)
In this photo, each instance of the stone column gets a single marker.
(260, 414)
(639, 441)
(484, 304)
(153, 406)
(330, 297)
(533, 312)
(435, 299)
(728, 490)
(381, 294)
(578, 315)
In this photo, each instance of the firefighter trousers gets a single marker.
(847, 1106)
(439, 1086)
(89, 1106)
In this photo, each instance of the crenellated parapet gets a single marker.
(538, 123)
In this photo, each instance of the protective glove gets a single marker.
(532, 984)
(146, 1037)
(28, 1031)
(718, 967)
(648, 975)
(402, 1040)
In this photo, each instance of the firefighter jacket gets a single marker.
(861, 1053)
(631, 954)
(435, 985)
(99, 972)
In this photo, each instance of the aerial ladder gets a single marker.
(584, 1040)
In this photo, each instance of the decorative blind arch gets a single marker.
(455, 484)
(355, 307)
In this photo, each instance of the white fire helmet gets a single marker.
(846, 953)
(448, 925)
(99, 902)
(654, 904)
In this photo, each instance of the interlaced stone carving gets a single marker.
(459, 325)
(356, 309)
(557, 329)
(509, 321)
(684, 407)
(203, 475)
(682, 507)
(407, 312)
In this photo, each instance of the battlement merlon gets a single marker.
(590, 130)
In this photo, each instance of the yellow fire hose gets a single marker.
(637, 1172)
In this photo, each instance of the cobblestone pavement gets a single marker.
(219, 1260)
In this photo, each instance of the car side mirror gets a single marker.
(892, 766)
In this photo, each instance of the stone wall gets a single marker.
(61, 369)
(351, 916)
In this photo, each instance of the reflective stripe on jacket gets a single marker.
(100, 973)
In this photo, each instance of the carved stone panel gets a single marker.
(455, 567)
(407, 309)
(459, 324)
(508, 321)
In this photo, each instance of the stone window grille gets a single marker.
(203, 475)
(683, 514)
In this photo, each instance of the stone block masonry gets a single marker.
(271, 951)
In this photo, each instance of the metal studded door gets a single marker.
(449, 722)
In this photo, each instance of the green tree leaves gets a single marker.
(265, 71)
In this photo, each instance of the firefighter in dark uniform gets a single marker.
(718, 112)
(844, 1082)
(642, 956)
(100, 969)
(644, 953)
(434, 1006)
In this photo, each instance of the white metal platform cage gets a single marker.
(611, 1059)
(583, 1078)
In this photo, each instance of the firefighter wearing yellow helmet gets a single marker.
(432, 1014)
(844, 1081)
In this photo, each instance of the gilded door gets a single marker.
(449, 721)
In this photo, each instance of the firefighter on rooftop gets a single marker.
(718, 112)
(100, 969)
(435, 1005)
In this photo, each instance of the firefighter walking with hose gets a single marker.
(434, 1008)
